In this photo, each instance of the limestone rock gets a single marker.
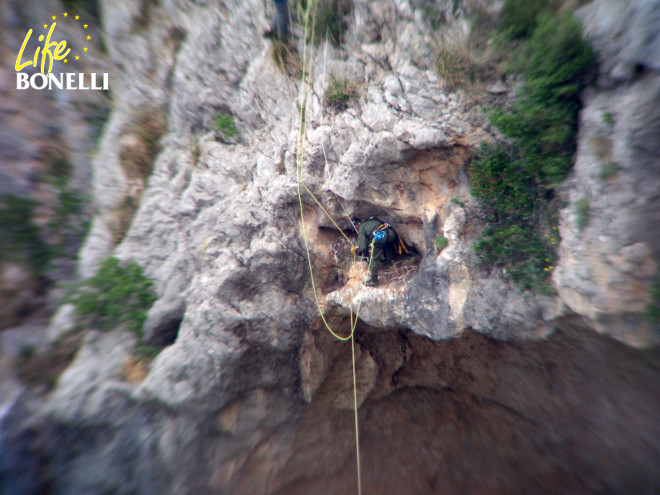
(62, 322)
(84, 388)
(626, 36)
(610, 245)
(250, 390)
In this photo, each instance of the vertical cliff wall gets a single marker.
(609, 263)
(464, 383)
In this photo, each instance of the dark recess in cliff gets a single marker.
(573, 414)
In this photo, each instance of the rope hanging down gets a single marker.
(300, 156)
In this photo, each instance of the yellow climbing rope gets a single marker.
(300, 157)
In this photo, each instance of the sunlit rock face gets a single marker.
(464, 383)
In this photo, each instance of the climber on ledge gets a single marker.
(380, 236)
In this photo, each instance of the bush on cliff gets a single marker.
(514, 181)
(117, 295)
(20, 239)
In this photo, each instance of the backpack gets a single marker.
(379, 234)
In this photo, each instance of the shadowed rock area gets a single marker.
(573, 414)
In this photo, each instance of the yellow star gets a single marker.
(85, 49)
(89, 37)
(66, 60)
(54, 17)
(77, 17)
(85, 26)
(46, 26)
(66, 14)
(77, 57)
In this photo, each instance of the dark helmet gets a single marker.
(355, 223)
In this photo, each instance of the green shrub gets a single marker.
(582, 218)
(58, 235)
(527, 255)
(441, 242)
(20, 238)
(544, 117)
(67, 224)
(329, 19)
(340, 93)
(519, 17)
(117, 295)
(514, 182)
(455, 67)
(608, 170)
(499, 182)
(286, 58)
(224, 125)
(652, 310)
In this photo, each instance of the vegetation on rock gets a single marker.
(441, 242)
(20, 240)
(224, 125)
(340, 92)
(515, 180)
(40, 244)
(456, 67)
(329, 20)
(582, 207)
(117, 295)
(652, 310)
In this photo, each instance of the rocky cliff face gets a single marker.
(607, 264)
(464, 383)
